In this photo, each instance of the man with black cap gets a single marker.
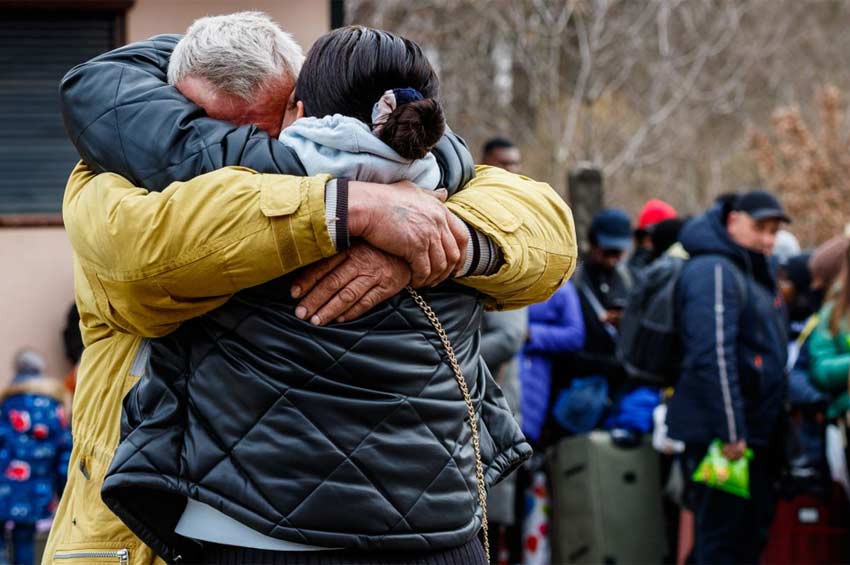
(732, 386)
(603, 285)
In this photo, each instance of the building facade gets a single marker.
(39, 41)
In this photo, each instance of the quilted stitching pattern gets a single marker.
(362, 455)
(283, 419)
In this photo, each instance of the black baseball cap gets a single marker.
(612, 229)
(760, 205)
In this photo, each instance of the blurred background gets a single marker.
(679, 99)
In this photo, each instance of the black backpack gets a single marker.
(650, 347)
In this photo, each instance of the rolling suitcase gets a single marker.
(607, 502)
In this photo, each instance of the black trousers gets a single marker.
(729, 528)
(471, 553)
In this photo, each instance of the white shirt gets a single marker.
(203, 522)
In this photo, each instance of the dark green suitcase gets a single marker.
(607, 502)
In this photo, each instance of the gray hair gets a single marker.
(237, 53)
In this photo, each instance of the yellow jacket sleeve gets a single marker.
(532, 226)
(156, 259)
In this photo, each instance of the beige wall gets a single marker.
(36, 290)
(36, 286)
(305, 19)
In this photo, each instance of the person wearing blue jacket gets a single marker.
(35, 445)
(555, 327)
(733, 385)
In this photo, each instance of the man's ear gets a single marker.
(299, 110)
(732, 217)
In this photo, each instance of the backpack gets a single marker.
(650, 347)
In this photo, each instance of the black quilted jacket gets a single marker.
(353, 435)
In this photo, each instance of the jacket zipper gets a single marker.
(122, 555)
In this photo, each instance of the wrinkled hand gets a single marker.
(348, 284)
(734, 451)
(411, 223)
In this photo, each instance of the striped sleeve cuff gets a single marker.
(483, 257)
(336, 212)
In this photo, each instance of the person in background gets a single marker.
(795, 283)
(732, 385)
(826, 263)
(665, 235)
(653, 212)
(555, 328)
(502, 153)
(72, 338)
(829, 346)
(502, 336)
(786, 246)
(73, 341)
(806, 470)
(35, 445)
(817, 389)
(603, 286)
(805, 281)
(803, 303)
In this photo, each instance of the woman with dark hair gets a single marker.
(365, 441)
(351, 72)
(366, 104)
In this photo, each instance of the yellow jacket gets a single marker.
(145, 262)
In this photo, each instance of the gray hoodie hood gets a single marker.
(342, 146)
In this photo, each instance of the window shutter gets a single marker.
(36, 50)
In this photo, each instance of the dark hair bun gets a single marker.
(413, 129)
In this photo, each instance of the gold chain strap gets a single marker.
(470, 408)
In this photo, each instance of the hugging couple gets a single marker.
(261, 382)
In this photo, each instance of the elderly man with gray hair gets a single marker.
(169, 242)
(237, 70)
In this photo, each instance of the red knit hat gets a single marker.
(653, 212)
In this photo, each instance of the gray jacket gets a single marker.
(503, 335)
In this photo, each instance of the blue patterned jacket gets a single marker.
(35, 445)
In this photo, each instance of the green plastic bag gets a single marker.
(718, 472)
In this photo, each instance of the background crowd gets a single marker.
(676, 332)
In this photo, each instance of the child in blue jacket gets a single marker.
(35, 445)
